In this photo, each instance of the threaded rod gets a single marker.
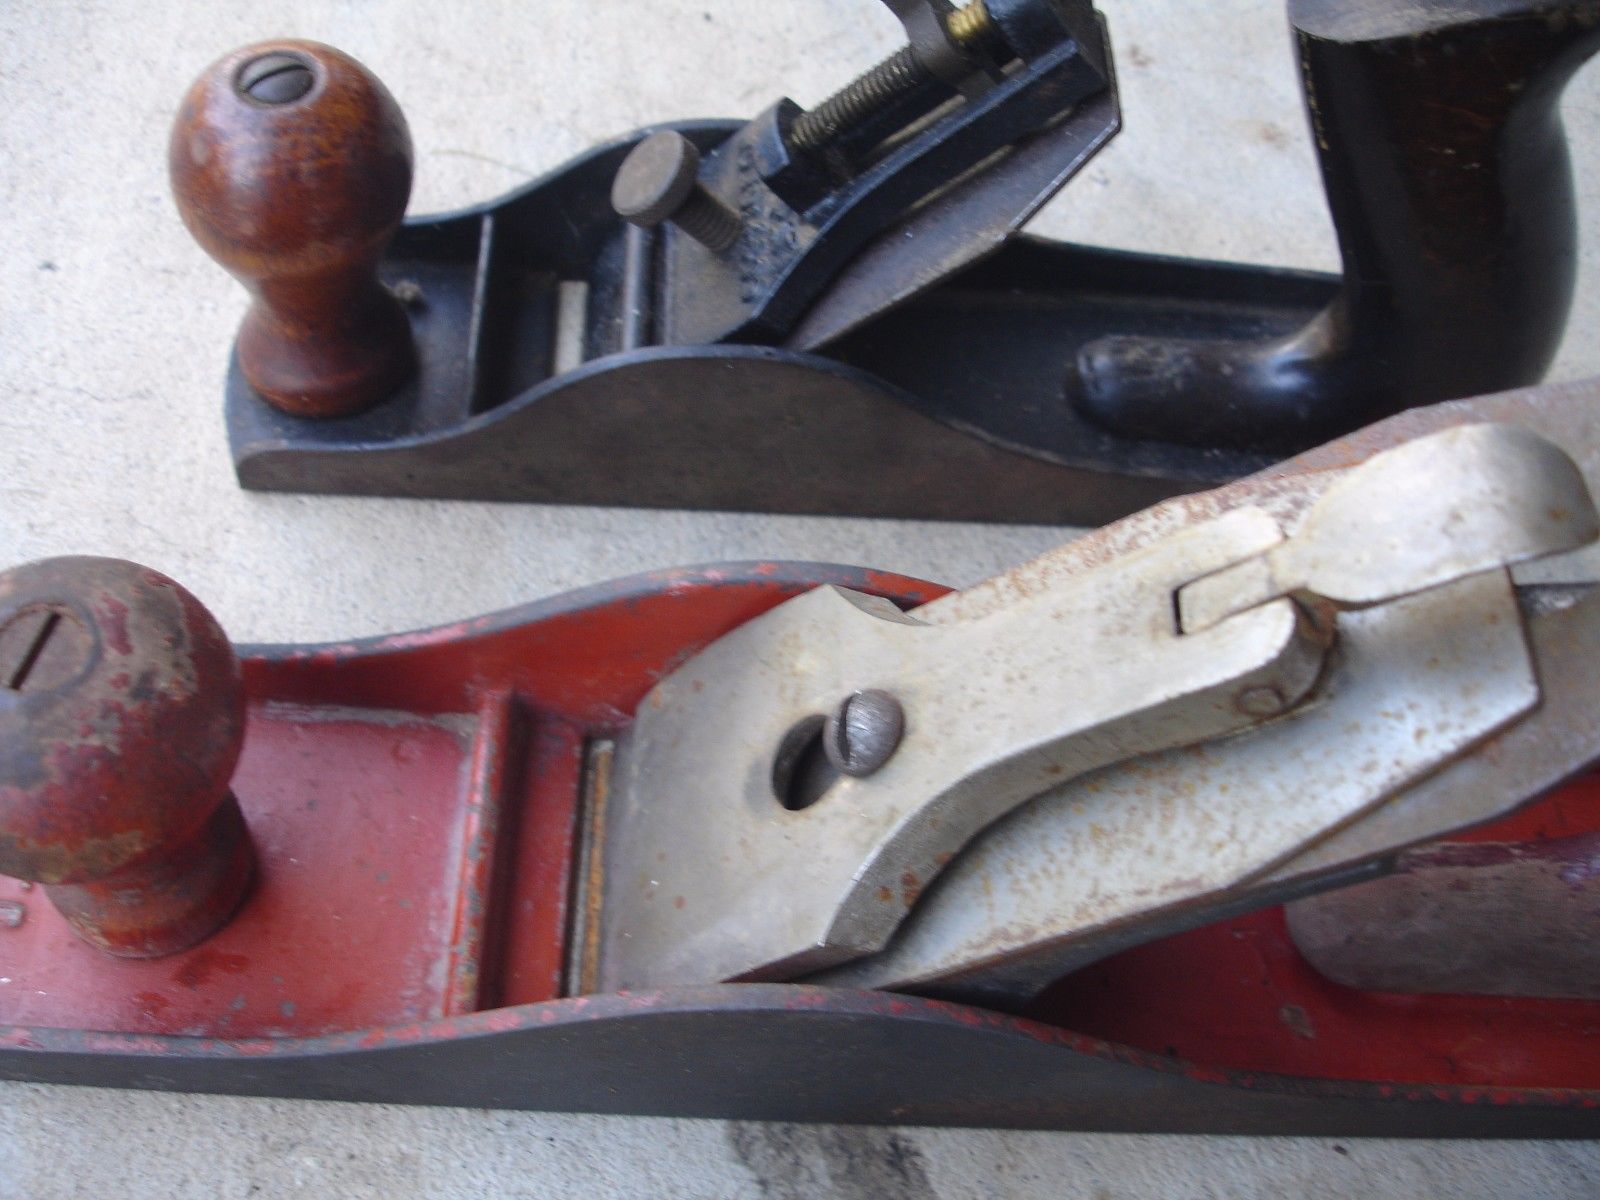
(707, 221)
(890, 81)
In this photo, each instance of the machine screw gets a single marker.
(41, 648)
(861, 735)
(970, 28)
(276, 78)
(1262, 701)
(659, 181)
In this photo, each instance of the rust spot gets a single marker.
(885, 895)
(1272, 134)
(114, 615)
(56, 863)
(677, 902)
(201, 965)
(910, 888)
(150, 1004)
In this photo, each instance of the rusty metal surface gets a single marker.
(1515, 765)
(1533, 756)
(121, 717)
(1432, 510)
(1146, 847)
(1552, 745)
(713, 874)
(780, 1052)
(1566, 414)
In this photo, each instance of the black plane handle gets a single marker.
(1442, 151)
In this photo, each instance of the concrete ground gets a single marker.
(113, 334)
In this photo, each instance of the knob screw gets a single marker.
(276, 78)
(41, 649)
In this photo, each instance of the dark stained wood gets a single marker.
(1438, 129)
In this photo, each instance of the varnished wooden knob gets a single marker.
(291, 165)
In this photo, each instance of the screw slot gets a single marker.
(276, 78)
(42, 648)
(864, 732)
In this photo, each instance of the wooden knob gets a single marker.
(121, 719)
(291, 165)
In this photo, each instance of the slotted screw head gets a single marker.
(863, 733)
(43, 647)
(276, 78)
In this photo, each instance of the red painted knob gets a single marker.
(121, 718)
(291, 165)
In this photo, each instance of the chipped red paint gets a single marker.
(588, 656)
(1249, 1002)
(118, 734)
(534, 909)
(387, 836)
(494, 770)
(358, 831)
(371, 770)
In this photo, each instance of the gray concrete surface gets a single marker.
(113, 335)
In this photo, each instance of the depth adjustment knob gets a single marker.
(291, 166)
(121, 719)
